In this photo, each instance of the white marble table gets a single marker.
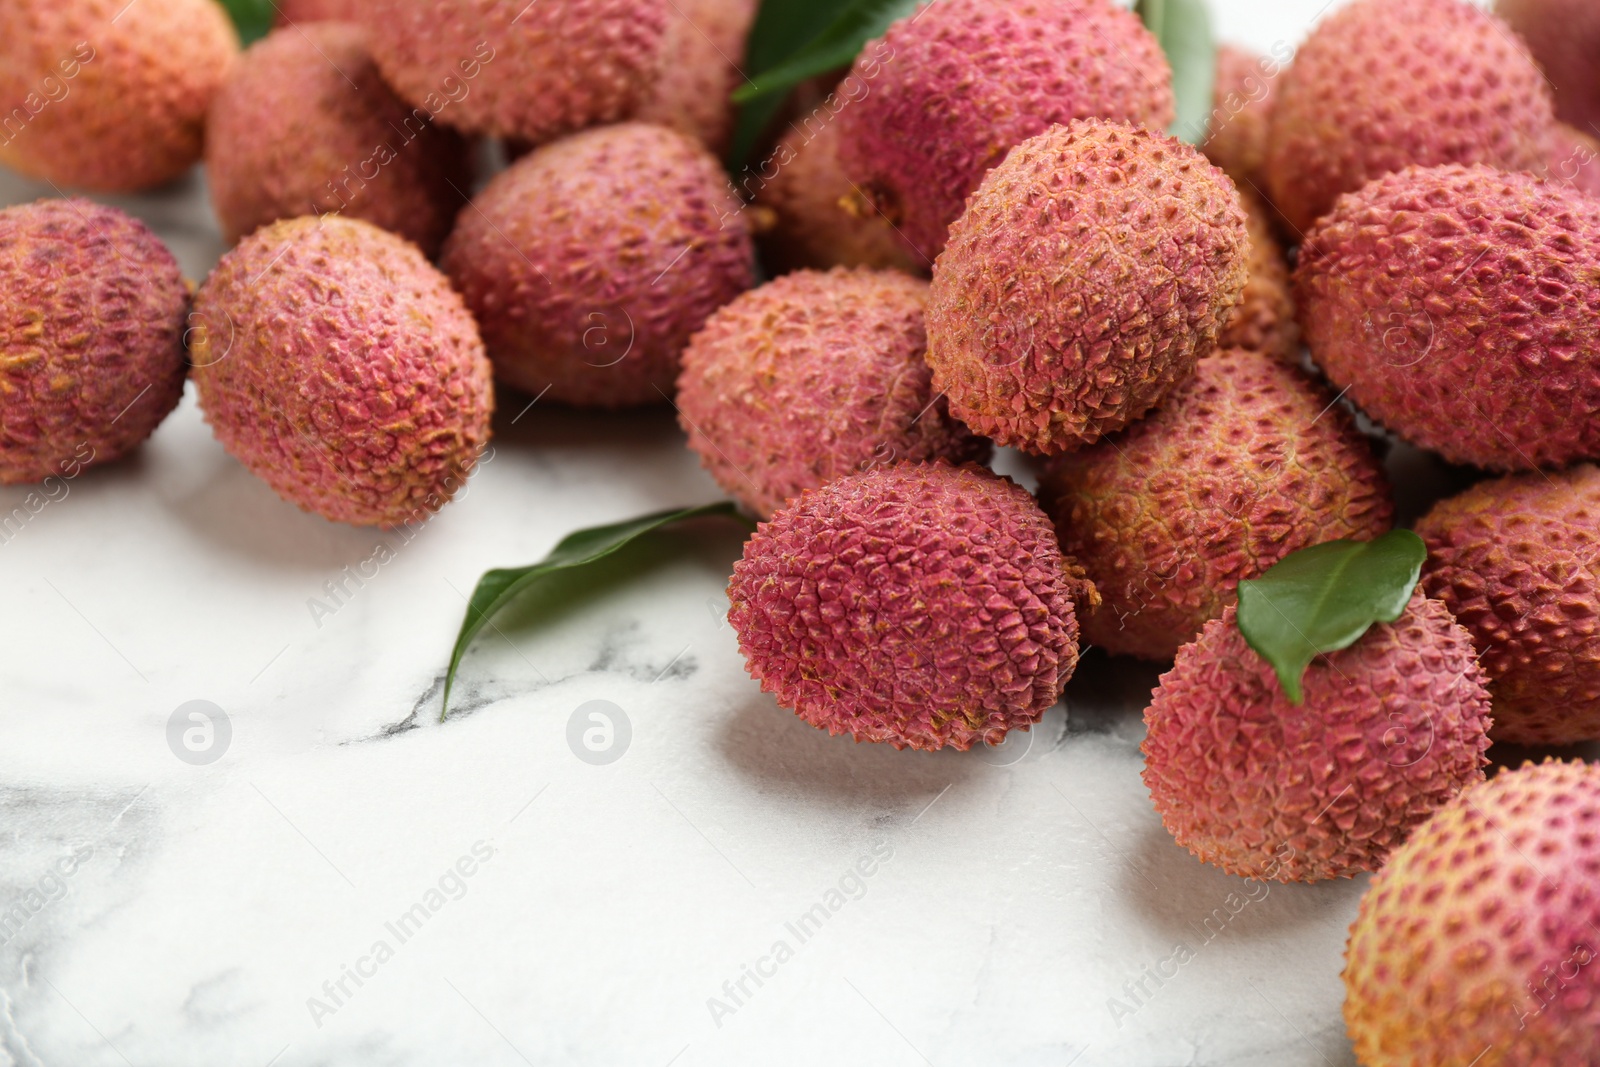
(1020, 906)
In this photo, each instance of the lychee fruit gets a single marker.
(819, 221)
(1391, 728)
(295, 11)
(1572, 156)
(922, 605)
(306, 126)
(1382, 85)
(1090, 272)
(91, 337)
(952, 89)
(1460, 306)
(513, 69)
(108, 95)
(1477, 943)
(1246, 463)
(591, 262)
(1514, 559)
(1242, 98)
(812, 377)
(338, 365)
(1264, 321)
(702, 53)
(1563, 36)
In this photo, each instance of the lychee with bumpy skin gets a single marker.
(812, 377)
(1477, 943)
(1513, 559)
(91, 337)
(591, 262)
(1563, 36)
(1572, 156)
(338, 365)
(1382, 85)
(1246, 463)
(293, 11)
(1264, 321)
(1460, 306)
(1391, 728)
(926, 606)
(951, 90)
(818, 221)
(513, 69)
(702, 53)
(108, 95)
(1241, 113)
(1091, 271)
(305, 126)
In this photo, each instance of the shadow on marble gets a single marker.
(1108, 695)
(522, 421)
(100, 477)
(776, 750)
(238, 512)
(1191, 901)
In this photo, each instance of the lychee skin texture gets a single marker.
(591, 262)
(339, 366)
(1512, 560)
(925, 606)
(812, 377)
(294, 11)
(1246, 463)
(1241, 113)
(115, 94)
(507, 68)
(1091, 271)
(91, 339)
(1476, 943)
(819, 222)
(1563, 36)
(1264, 321)
(306, 126)
(1461, 306)
(1572, 156)
(702, 53)
(946, 94)
(1391, 728)
(1382, 85)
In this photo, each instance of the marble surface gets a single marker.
(351, 882)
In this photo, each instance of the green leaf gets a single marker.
(794, 41)
(253, 18)
(498, 588)
(1184, 29)
(783, 27)
(1322, 599)
(834, 47)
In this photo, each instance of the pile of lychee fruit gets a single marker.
(980, 235)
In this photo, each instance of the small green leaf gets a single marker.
(792, 42)
(1184, 29)
(1322, 599)
(253, 18)
(834, 47)
(784, 27)
(497, 588)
